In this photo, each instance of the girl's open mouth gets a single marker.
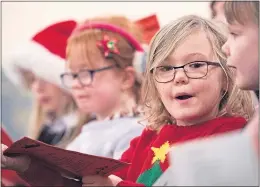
(184, 97)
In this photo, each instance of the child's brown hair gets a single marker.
(242, 12)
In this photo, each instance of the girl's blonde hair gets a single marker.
(37, 117)
(87, 40)
(235, 102)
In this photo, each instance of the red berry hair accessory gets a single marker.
(109, 46)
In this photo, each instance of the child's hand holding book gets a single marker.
(42, 162)
(17, 163)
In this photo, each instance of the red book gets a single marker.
(70, 163)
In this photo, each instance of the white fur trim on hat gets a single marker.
(139, 62)
(35, 58)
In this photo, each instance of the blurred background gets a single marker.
(20, 20)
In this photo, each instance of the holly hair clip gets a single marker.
(109, 45)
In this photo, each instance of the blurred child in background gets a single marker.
(217, 10)
(37, 65)
(105, 65)
(218, 15)
(181, 101)
(242, 50)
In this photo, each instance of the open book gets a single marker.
(70, 164)
(223, 160)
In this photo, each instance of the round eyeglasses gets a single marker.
(193, 70)
(84, 76)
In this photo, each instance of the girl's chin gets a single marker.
(86, 109)
(188, 117)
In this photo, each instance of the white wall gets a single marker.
(20, 20)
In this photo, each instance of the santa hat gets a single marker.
(44, 55)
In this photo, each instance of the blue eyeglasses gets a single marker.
(85, 76)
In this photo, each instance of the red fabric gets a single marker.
(54, 38)
(9, 177)
(5, 138)
(140, 153)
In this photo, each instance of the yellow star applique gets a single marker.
(160, 153)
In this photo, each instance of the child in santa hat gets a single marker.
(37, 65)
(182, 103)
(104, 72)
(114, 100)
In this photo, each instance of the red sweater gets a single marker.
(147, 153)
(142, 151)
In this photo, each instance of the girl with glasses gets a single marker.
(105, 65)
(105, 59)
(188, 93)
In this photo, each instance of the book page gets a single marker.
(69, 163)
(224, 160)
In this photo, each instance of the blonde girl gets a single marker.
(37, 65)
(188, 92)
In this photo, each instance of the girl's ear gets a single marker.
(128, 79)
